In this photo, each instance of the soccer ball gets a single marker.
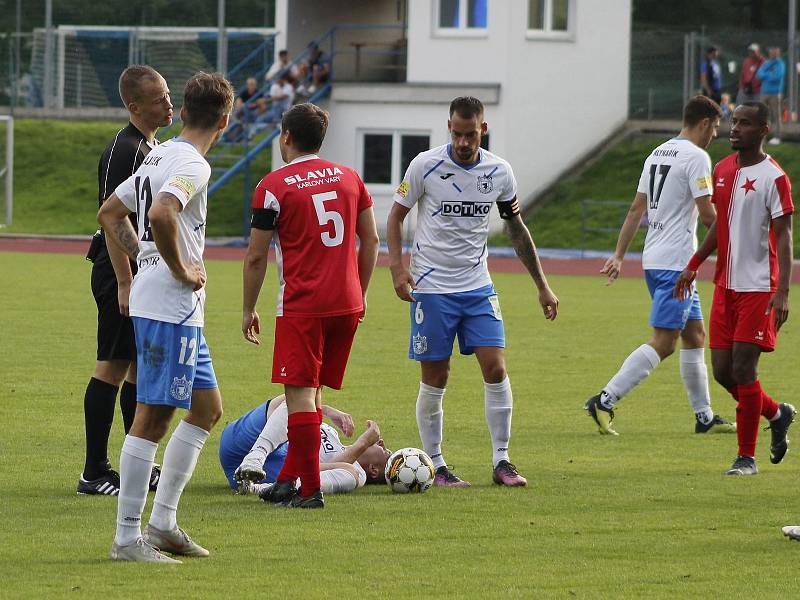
(409, 470)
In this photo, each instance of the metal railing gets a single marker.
(603, 217)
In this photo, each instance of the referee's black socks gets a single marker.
(98, 413)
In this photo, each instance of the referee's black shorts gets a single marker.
(115, 339)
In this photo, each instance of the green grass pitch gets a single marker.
(646, 515)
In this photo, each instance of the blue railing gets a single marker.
(230, 75)
(327, 42)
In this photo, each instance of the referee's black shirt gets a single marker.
(119, 161)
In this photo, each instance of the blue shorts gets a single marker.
(171, 361)
(436, 319)
(667, 312)
(237, 440)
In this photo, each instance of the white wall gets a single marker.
(559, 97)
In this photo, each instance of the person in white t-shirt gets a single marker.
(254, 446)
(168, 192)
(283, 65)
(675, 186)
(281, 96)
(454, 188)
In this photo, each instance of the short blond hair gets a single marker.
(131, 80)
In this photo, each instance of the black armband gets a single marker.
(508, 210)
(265, 219)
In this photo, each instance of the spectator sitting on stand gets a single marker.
(282, 64)
(317, 70)
(281, 97)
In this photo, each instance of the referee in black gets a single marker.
(146, 96)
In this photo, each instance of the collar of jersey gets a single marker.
(468, 167)
(304, 158)
(181, 140)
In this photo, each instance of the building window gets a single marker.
(386, 155)
(550, 16)
(462, 16)
(378, 158)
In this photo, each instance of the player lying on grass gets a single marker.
(253, 449)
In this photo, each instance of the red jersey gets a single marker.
(318, 203)
(747, 200)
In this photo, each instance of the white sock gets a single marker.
(639, 364)
(135, 464)
(695, 379)
(180, 458)
(498, 406)
(274, 434)
(430, 417)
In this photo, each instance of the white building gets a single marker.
(553, 75)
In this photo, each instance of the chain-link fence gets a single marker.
(665, 66)
(79, 66)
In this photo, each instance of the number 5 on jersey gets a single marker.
(329, 216)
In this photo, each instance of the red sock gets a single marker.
(768, 406)
(319, 415)
(288, 471)
(748, 412)
(732, 391)
(304, 443)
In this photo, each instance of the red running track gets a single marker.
(571, 266)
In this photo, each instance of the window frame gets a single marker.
(462, 31)
(547, 32)
(397, 135)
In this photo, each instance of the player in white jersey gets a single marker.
(675, 186)
(257, 451)
(448, 285)
(167, 300)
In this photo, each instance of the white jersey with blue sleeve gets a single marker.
(330, 449)
(675, 174)
(175, 167)
(454, 202)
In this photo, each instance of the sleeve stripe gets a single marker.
(784, 194)
(433, 168)
(135, 156)
(108, 164)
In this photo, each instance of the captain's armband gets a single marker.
(265, 219)
(508, 210)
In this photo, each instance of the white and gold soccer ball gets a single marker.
(409, 470)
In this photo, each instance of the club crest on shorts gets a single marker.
(181, 389)
(420, 344)
(485, 184)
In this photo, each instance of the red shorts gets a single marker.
(312, 351)
(742, 317)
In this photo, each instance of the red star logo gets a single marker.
(748, 186)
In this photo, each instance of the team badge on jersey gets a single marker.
(485, 184)
(181, 389)
(403, 189)
(420, 344)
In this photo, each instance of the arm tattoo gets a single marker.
(126, 238)
(525, 249)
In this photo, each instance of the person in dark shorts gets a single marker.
(146, 96)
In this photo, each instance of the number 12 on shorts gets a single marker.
(191, 345)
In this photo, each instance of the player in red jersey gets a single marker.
(313, 210)
(753, 239)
